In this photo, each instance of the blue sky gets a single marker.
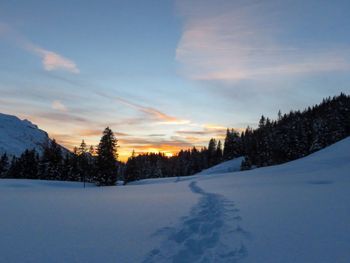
(165, 74)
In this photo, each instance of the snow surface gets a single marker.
(224, 167)
(295, 212)
(18, 135)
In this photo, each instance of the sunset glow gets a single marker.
(169, 76)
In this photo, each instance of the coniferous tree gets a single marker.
(131, 170)
(298, 133)
(219, 153)
(50, 167)
(28, 163)
(212, 152)
(4, 165)
(107, 159)
(15, 169)
(232, 145)
(83, 162)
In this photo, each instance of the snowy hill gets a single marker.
(294, 212)
(18, 135)
(224, 167)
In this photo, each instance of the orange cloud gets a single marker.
(97, 132)
(154, 113)
(53, 61)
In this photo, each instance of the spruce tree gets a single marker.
(4, 165)
(232, 145)
(107, 159)
(219, 152)
(131, 169)
(50, 167)
(83, 162)
(212, 152)
(29, 163)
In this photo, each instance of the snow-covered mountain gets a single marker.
(18, 135)
(293, 212)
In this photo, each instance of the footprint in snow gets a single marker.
(210, 233)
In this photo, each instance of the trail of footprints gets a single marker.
(210, 233)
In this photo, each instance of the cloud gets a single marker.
(154, 114)
(157, 135)
(53, 61)
(207, 130)
(61, 117)
(50, 59)
(98, 132)
(141, 144)
(241, 40)
(58, 105)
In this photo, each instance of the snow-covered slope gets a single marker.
(224, 167)
(18, 135)
(295, 212)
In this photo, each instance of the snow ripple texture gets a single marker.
(210, 233)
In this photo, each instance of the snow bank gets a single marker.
(224, 167)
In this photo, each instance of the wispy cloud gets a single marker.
(58, 105)
(238, 40)
(51, 60)
(98, 132)
(207, 130)
(63, 117)
(153, 113)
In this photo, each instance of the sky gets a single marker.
(167, 75)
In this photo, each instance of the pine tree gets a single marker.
(29, 163)
(158, 169)
(131, 169)
(50, 167)
(15, 169)
(82, 148)
(212, 152)
(107, 159)
(219, 153)
(232, 145)
(83, 163)
(4, 165)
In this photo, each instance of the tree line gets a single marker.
(296, 134)
(57, 164)
(186, 162)
(289, 137)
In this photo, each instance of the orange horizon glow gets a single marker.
(125, 151)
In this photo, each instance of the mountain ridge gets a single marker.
(18, 135)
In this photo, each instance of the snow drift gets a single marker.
(224, 167)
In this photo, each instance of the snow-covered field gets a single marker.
(296, 212)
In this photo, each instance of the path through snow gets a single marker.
(210, 233)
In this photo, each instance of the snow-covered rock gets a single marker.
(18, 135)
